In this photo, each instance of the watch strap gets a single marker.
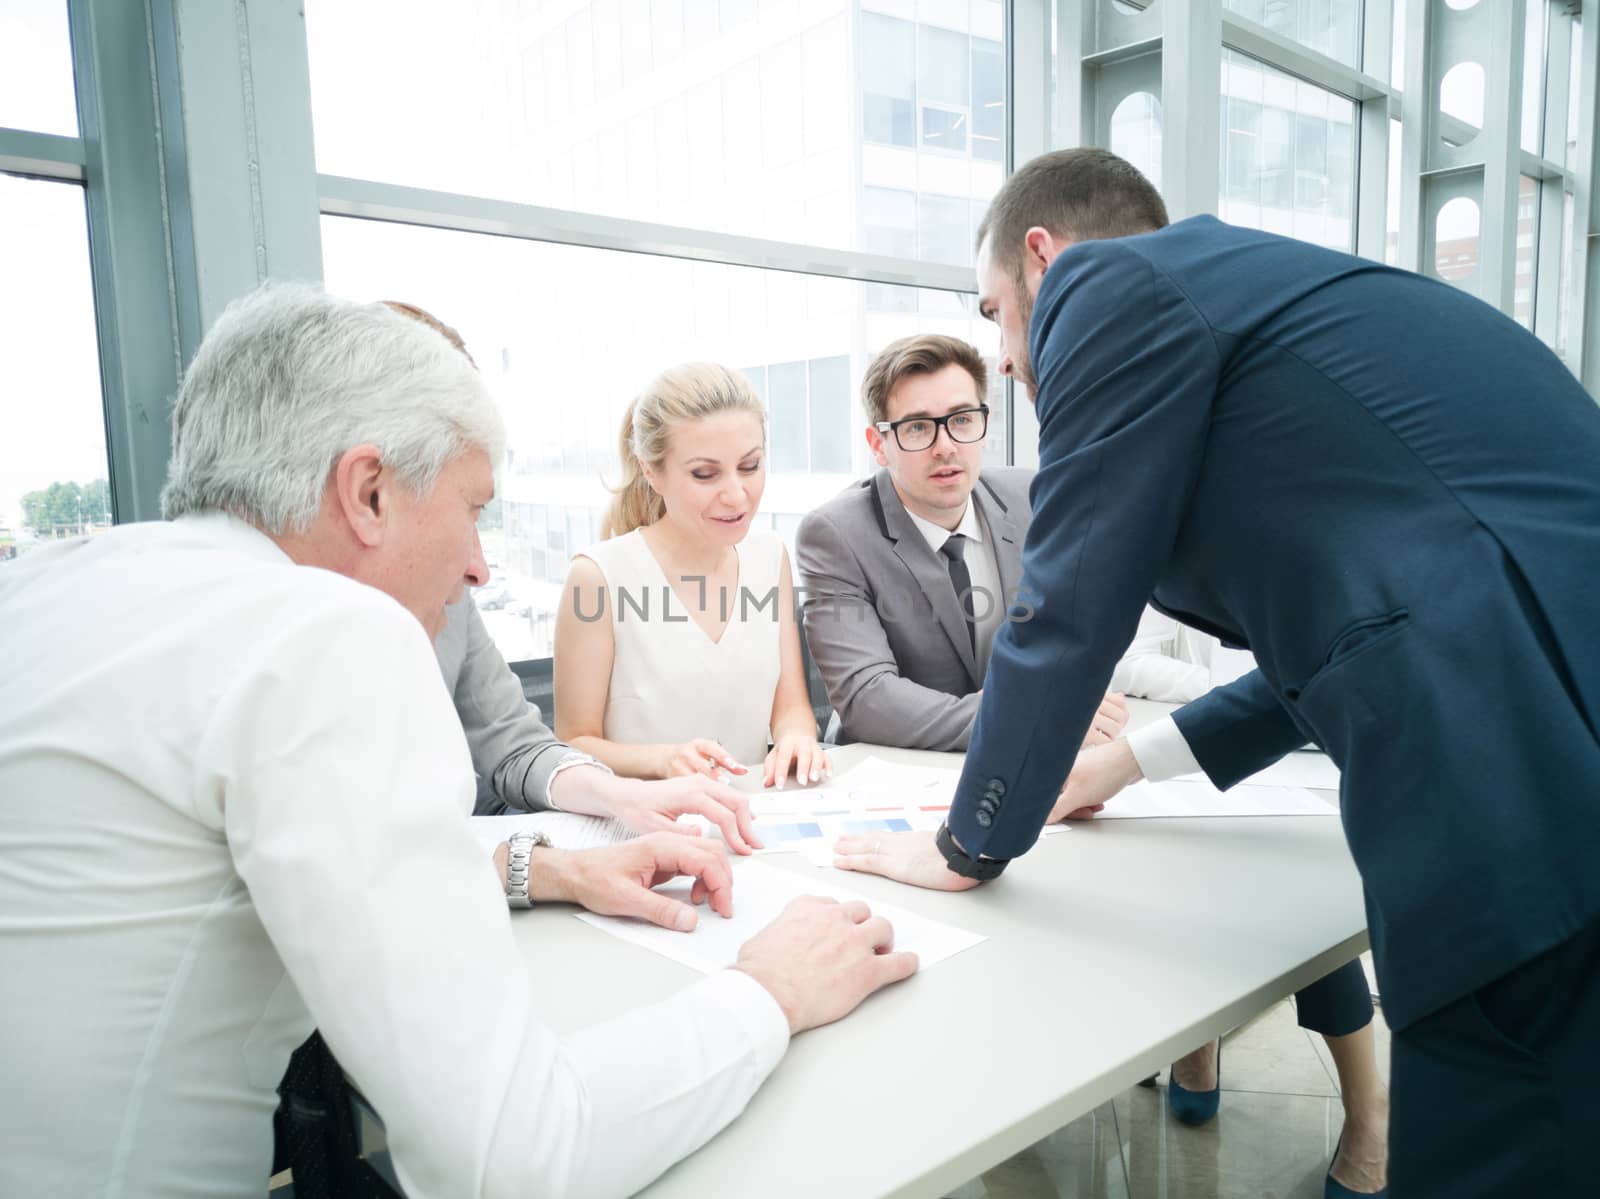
(982, 869)
(521, 846)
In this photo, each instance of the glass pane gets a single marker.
(1461, 103)
(942, 66)
(1527, 250)
(1575, 126)
(1391, 242)
(786, 407)
(1565, 300)
(1397, 46)
(1288, 154)
(988, 100)
(889, 222)
(541, 320)
(1136, 134)
(1455, 240)
(53, 471)
(36, 68)
(830, 414)
(944, 129)
(888, 79)
(942, 229)
(684, 112)
(1331, 27)
(1533, 90)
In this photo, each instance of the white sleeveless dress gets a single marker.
(670, 682)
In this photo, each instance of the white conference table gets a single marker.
(1112, 950)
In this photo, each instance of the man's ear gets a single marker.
(875, 444)
(1041, 248)
(361, 488)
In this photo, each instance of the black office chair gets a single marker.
(315, 1133)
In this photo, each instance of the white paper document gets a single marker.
(1303, 768)
(566, 830)
(760, 893)
(1197, 797)
(872, 797)
(874, 780)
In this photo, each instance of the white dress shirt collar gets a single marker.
(936, 535)
(239, 535)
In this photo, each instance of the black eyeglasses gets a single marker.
(965, 425)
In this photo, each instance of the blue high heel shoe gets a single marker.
(1332, 1188)
(1195, 1108)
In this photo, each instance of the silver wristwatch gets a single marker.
(521, 846)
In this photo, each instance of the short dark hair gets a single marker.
(922, 354)
(1083, 194)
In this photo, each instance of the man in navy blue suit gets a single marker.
(1390, 492)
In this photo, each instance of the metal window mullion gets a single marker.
(190, 191)
(1502, 138)
(1074, 115)
(41, 155)
(1191, 100)
(1302, 61)
(1583, 341)
(1377, 39)
(131, 256)
(1028, 59)
(1372, 179)
(1373, 132)
(1558, 84)
(371, 200)
(1416, 128)
(1547, 258)
(246, 182)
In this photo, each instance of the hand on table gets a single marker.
(651, 807)
(800, 752)
(1108, 720)
(1097, 775)
(700, 756)
(910, 858)
(821, 958)
(616, 880)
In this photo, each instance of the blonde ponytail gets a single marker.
(684, 393)
(636, 503)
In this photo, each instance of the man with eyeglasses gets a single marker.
(909, 574)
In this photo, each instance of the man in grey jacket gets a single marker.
(909, 574)
(522, 766)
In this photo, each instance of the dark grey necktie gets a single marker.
(954, 549)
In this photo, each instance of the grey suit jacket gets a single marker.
(513, 752)
(882, 620)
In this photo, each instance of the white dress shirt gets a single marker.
(669, 681)
(232, 802)
(988, 602)
(1165, 662)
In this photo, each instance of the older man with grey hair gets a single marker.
(232, 800)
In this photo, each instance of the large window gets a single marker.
(567, 335)
(703, 115)
(832, 125)
(53, 473)
(1288, 154)
(36, 68)
(1331, 27)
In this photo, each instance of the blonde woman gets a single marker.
(677, 650)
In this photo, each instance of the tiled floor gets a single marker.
(1272, 1139)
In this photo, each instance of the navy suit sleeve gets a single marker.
(1236, 730)
(1127, 374)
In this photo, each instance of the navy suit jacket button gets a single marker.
(983, 818)
(998, 787)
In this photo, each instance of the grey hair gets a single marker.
(289, 378)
